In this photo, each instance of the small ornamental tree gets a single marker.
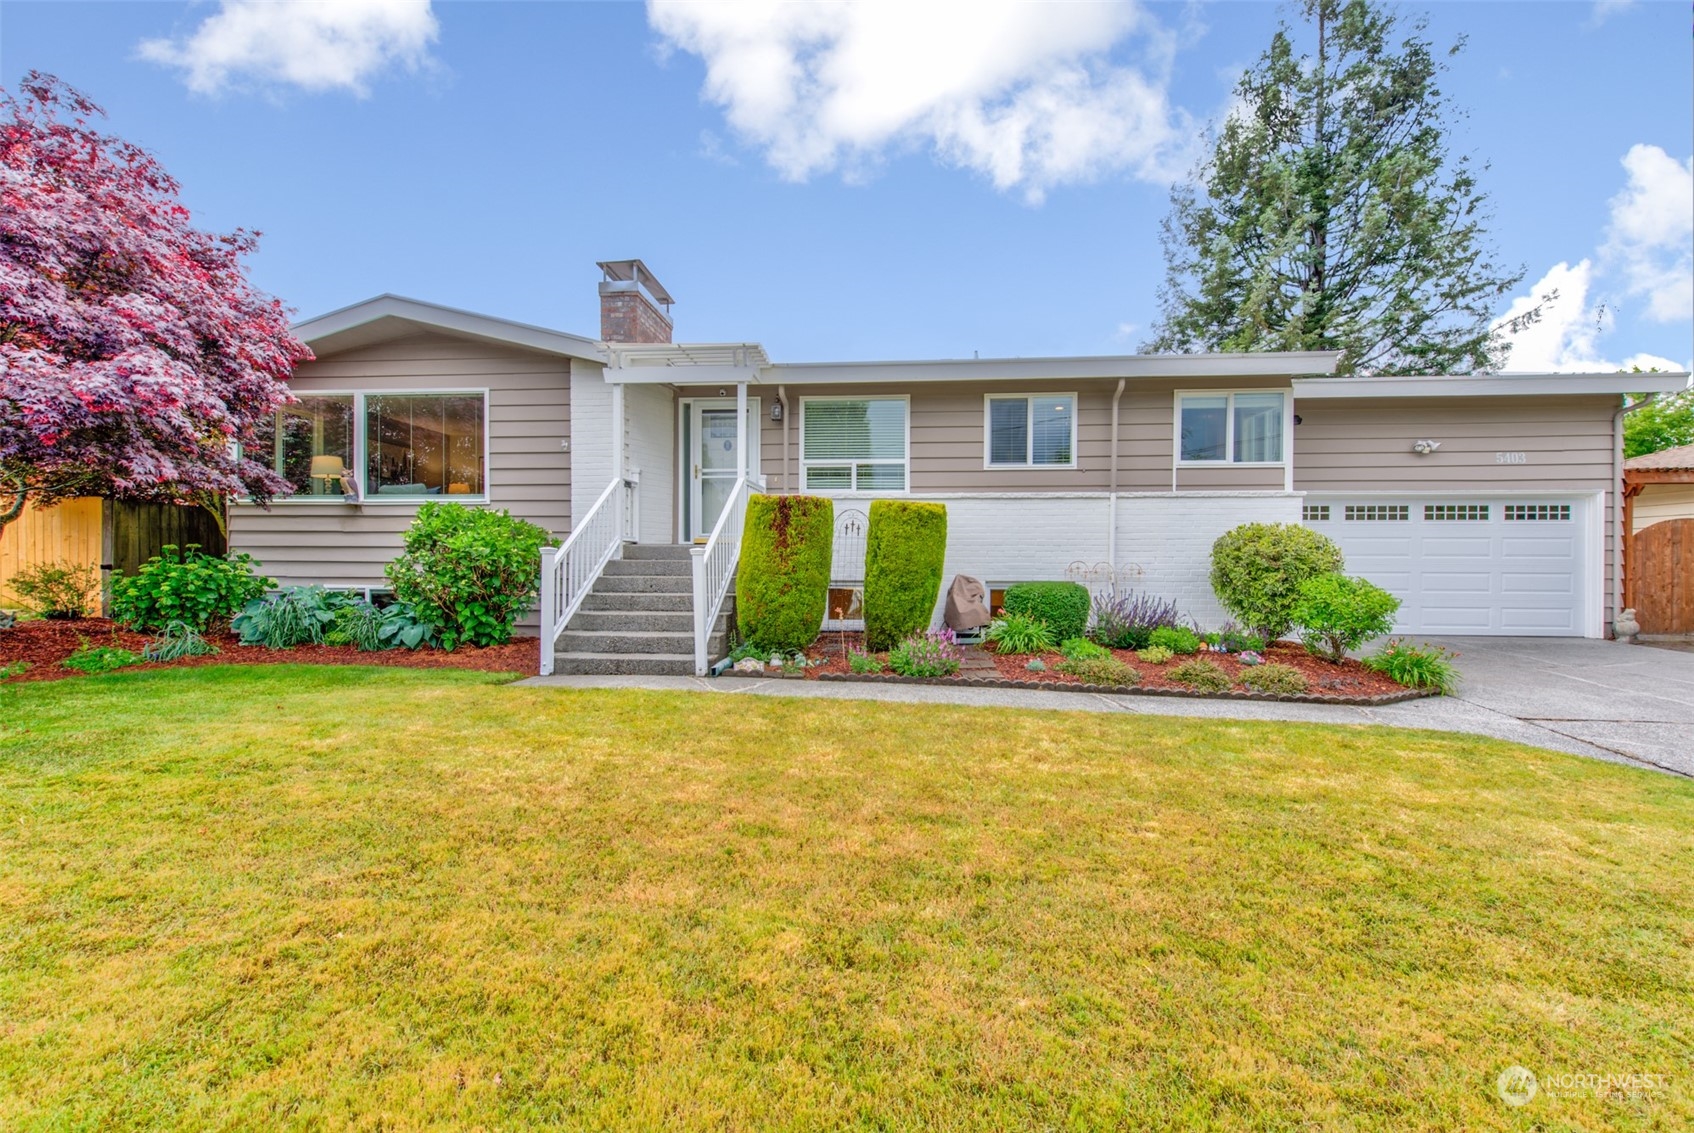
(1337, 614)
(134, 354)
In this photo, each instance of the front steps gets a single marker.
(638, 620)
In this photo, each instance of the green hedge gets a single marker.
(1062, 605)
(904, 552)
(783, 580)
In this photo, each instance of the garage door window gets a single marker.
(1538, 513)
(1377, 513)
(1455, 513)
(1315, 513)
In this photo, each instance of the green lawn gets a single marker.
(309, 896)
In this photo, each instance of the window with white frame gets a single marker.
(854, 444)
(1231, 428)
(395, 445)
(1031, 431)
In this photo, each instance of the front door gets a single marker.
(714, 465)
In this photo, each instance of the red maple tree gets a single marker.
(134, 354)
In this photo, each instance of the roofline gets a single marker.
(449, 319)
(1488, 385)
(1067, 368)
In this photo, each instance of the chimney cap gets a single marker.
(634, 271)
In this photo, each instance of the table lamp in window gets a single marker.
(326, 469)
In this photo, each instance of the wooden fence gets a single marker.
(100, 534)
(1661, 577)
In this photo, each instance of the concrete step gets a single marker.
(624, 665)
(652, 551)
(635, 621)
(624, 641)
(647, 603)
(645, 584)
(679, 567)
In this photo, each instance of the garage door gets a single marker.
(1466, 566)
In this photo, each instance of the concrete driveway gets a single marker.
(1631, 702)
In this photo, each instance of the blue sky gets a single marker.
(894, 181)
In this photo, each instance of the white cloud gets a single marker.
(1029, 95)
(1650, 241)
(318, 45)
(1566, 338)
(1604, 10)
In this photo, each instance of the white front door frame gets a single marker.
(688, 465)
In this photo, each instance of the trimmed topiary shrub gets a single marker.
(470, 570)
(782, 583)
(1062, 605)
(904, 552)
(1258, 569)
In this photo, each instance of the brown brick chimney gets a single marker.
(630, 298)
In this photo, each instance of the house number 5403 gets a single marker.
(1511, 458)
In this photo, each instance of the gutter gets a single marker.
(782, 400)
(1112, 494)
(1618, 547)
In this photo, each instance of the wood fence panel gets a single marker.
(67, 533)
(1661, 577)
(139, 530)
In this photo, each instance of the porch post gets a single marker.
(741, 430)
(617, 430)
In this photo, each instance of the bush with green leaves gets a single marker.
(1274, 679)
(1062, 605)
(473, 571)
(1234, 639)
(94, 659)
(56, 590)
(372, 628)
(295, 615)
(1081, 649)
(860, 662)
(782, 583)
(905, 549)
(178, 640)
(933, 654)
(1425, 666)
(1107, 670)
(1178, 639)
(1155, 654)
(1258, 569)
(1201, 675)
(1018, 633)
(1337, 614)
(200, 590)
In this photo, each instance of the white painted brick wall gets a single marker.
(591, 437)
(1170, 539)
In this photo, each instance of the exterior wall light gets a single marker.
(776, 411)
(1424, 448)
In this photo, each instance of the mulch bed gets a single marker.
(45, 644)
(1346, 683)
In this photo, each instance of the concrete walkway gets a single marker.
(1615, 702)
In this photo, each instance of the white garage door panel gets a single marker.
(1464, 567)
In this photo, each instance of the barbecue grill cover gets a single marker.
(967, 603)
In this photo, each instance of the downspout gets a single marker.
(1618, 554)
(1112, 492)
(782, 400)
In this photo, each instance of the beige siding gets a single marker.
(1659, 502)
(528, 469)
(947, 423)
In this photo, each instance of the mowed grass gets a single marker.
(317, 897)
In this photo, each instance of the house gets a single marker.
(1488, 504)
(1658, 508)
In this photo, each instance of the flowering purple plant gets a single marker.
(933, 654)
(1249, 657)
(1127, 620)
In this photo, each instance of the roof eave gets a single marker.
(325, 330)
(1488, 385)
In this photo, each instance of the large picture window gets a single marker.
(853, 444)
(394, 445)
(311, 443)
(1031, 431)
(1231, 428)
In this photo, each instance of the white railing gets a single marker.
(714, 570)
(568, 573)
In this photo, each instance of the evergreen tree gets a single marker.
(1329, 216)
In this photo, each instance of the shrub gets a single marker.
(1201, 675)
(935, 654)
(186, 586)
(471, 571)
(1428, 666)
(1237, 640)
(94, 659)
(1127, 621)
(782, 583)
(179, 640)
(1275, 679)
(56, 590)
(1155, 655)
(1107, 670)
(1018, 633)
(1081, 649)
(372, 628)
(904, 552)
(1178, 639)
(1336, 613)
(1258, 569)
(1062, 605)
(858, 661)
(297, 615)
